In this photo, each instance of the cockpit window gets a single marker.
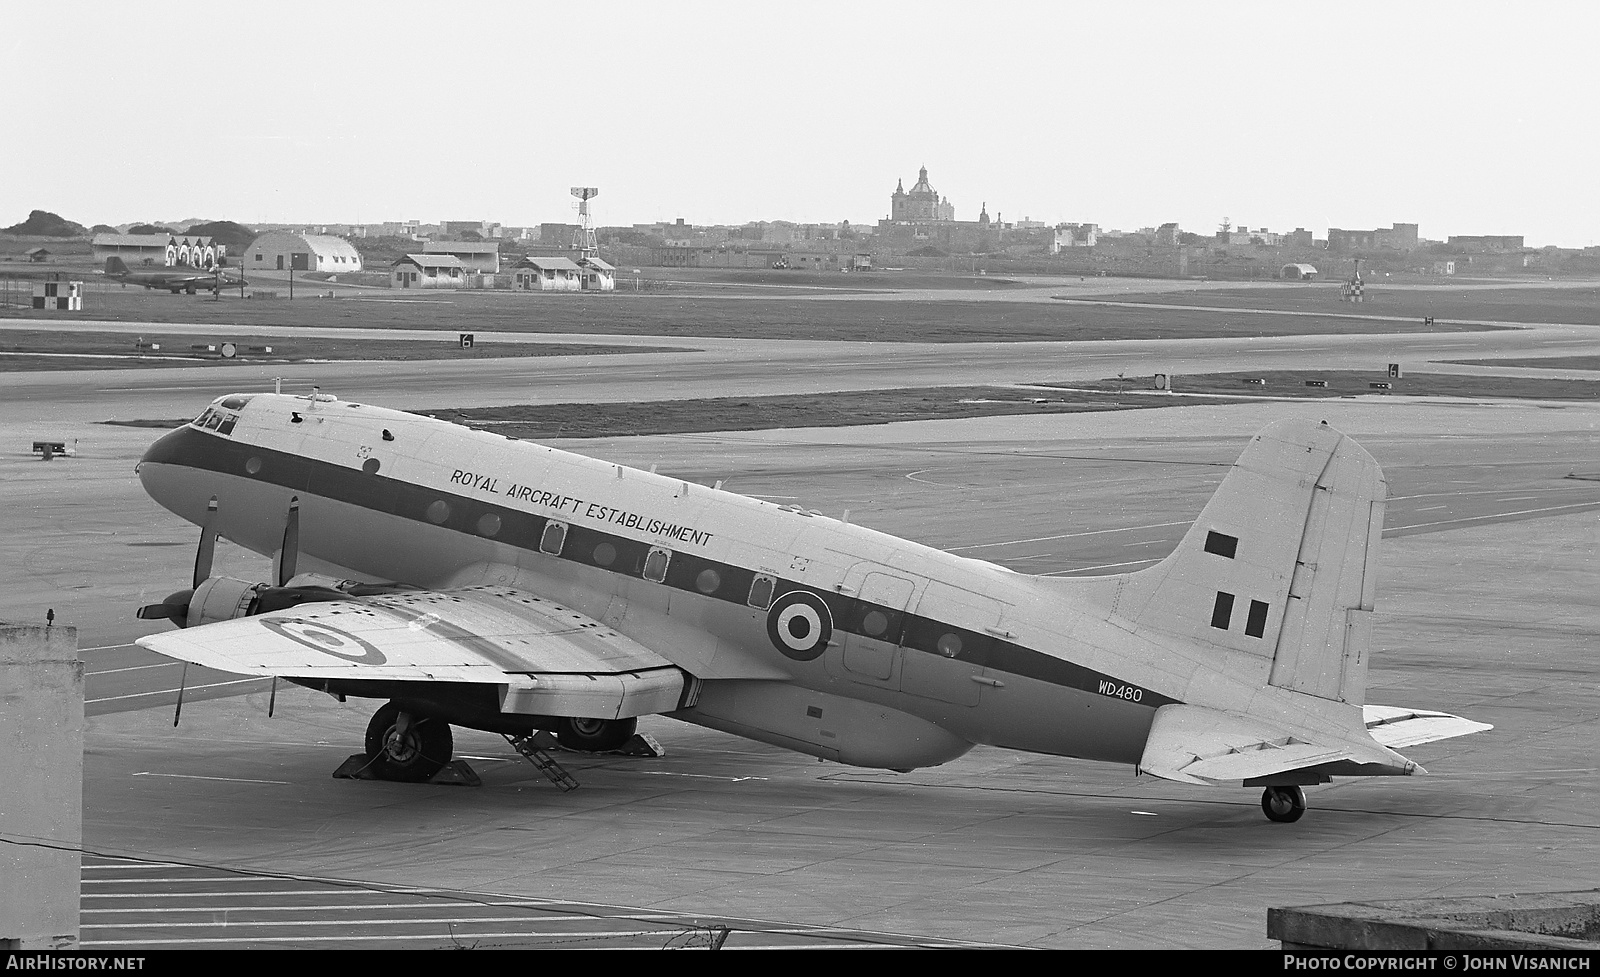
(215, 419)
(204, 416)
(227, 424)
(236, 402)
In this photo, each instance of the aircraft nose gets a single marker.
(164, 451)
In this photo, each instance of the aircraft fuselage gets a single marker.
(808, 632)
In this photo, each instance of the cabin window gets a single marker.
(875, 623)
(253, 466)
(949, 645)
(488, 523)
(655, 564)
(438, 511)
(708, 581)
(761, 591)
(605, 554)
(555, 536)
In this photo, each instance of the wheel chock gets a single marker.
(640, 744)
(456, 773)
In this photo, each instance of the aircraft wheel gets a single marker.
(409, 752)
(1283, 804)
(595, 735)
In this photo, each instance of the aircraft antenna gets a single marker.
(583, 239)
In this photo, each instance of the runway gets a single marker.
(1486, 608)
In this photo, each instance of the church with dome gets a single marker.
(919, 217)
(922, 203)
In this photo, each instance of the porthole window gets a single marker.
(488, 524)
(875, 623)
(438, 511)
(655, 564)
(370, 466)
(253, 466)
(761, 591)
(605, 554)
(555, 535)
(950, 645)
(708, 581)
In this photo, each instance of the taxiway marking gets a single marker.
(1042, 539)
(1492, 515)
(192, 688)
(191, 776)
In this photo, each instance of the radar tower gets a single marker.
(583, 240)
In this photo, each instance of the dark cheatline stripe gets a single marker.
(187, 447)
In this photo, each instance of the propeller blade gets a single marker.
(290, 553)
(175, 609)
(208, 544)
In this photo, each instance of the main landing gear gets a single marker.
(409, 748)
(1283, 804)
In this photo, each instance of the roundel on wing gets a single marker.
(800, 625)
(328, 640)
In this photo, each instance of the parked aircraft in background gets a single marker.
(511, 587)
(174, 279)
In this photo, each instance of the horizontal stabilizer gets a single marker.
(1395, 727)
(1197, 745)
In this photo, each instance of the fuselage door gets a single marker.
(872, 624)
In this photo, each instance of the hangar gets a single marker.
(1297, 272)
(283, 251)
(477, 257)
(170, 250)
(427, 271)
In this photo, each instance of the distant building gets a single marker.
(921, 203)
(37, 254)
(427, 271)
(481, 228)
(1487, 242)
(539, 273)
(1299, 238)
(1167, 234)
(194, 251)
(283, 251)
(597, 274)
(1297, 272)
(477, 257)
(1400, 237)
(1074, 236)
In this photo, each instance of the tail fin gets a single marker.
(114, 266)
(1279, 570)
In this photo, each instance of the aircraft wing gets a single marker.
(544, 658)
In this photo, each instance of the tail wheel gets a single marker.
(406, 747)
(1283, 804)
(595, 735)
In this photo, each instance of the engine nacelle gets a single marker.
(222, 599)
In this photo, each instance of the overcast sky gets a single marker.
(1463, 117)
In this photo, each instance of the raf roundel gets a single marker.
(800, 625)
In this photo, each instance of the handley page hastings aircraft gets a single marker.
(174, 280)
(511, 587)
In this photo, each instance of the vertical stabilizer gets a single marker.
(1278, 572)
